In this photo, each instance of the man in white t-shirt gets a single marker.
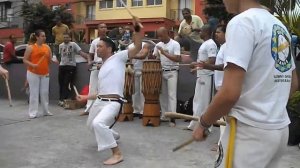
(259, 76)
(111, 81)
(168, 51)
(138, 98)
(204, 86)
(67, 66)
(102, 29)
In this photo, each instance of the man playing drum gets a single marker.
(168, 51)
(111, 85)
(259, 76)
(138, 97)
(204, 85)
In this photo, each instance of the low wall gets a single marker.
(186, 82)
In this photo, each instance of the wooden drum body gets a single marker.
(151, 88)
(127, 112)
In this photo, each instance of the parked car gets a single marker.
(20, 50)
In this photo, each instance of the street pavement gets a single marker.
(63, 141)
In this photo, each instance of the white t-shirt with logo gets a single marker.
(67, 52)
(219, 75)
(112, 74)
(207, 50)
(260, 44)
(137, 63)
(171, 47)
(93, 50)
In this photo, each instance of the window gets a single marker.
(106, 4)
(154, 2)
(137, 3)
(119, 4)
(90, 12)
(4, 7)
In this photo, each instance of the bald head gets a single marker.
(206, 31)
(162, 30)
(163, 34)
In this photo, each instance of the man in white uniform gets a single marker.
(102, 29)
(138, 98)
(259, 76)
(111, 80)
(168, 51)
(203, 90)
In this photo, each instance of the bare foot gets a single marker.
(115, 159)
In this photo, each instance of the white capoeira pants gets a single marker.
(168, 96)
(254, 147)
(102, 116)
(39, 88)
(138, 98)
(93, 87)
(202, 97)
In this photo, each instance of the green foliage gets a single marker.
(294, 103)
(287, 11)
(290, 17)
(38, 16)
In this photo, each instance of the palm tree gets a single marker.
(288, 11)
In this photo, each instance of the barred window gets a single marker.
(137, 3)
(119, 4)
(154, 2)
(106, 4)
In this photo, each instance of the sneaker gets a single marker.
(187, 129)
(139, 115)
(61, 103)
(172, 124)
(48, 114)
(32, 117)
(164, 119)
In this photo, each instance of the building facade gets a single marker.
(153, 14)
(10, 20)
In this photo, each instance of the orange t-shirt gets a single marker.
(36, 56)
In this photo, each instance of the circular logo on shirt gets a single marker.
(281, 49)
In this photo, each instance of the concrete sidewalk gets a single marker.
(63, 141)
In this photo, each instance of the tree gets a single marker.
(38, 16)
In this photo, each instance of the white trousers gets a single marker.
(168, 96)
(39, 88)
(254, 147)
(138, 98)
(102, 116)
(202, 97)
(93, 87)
